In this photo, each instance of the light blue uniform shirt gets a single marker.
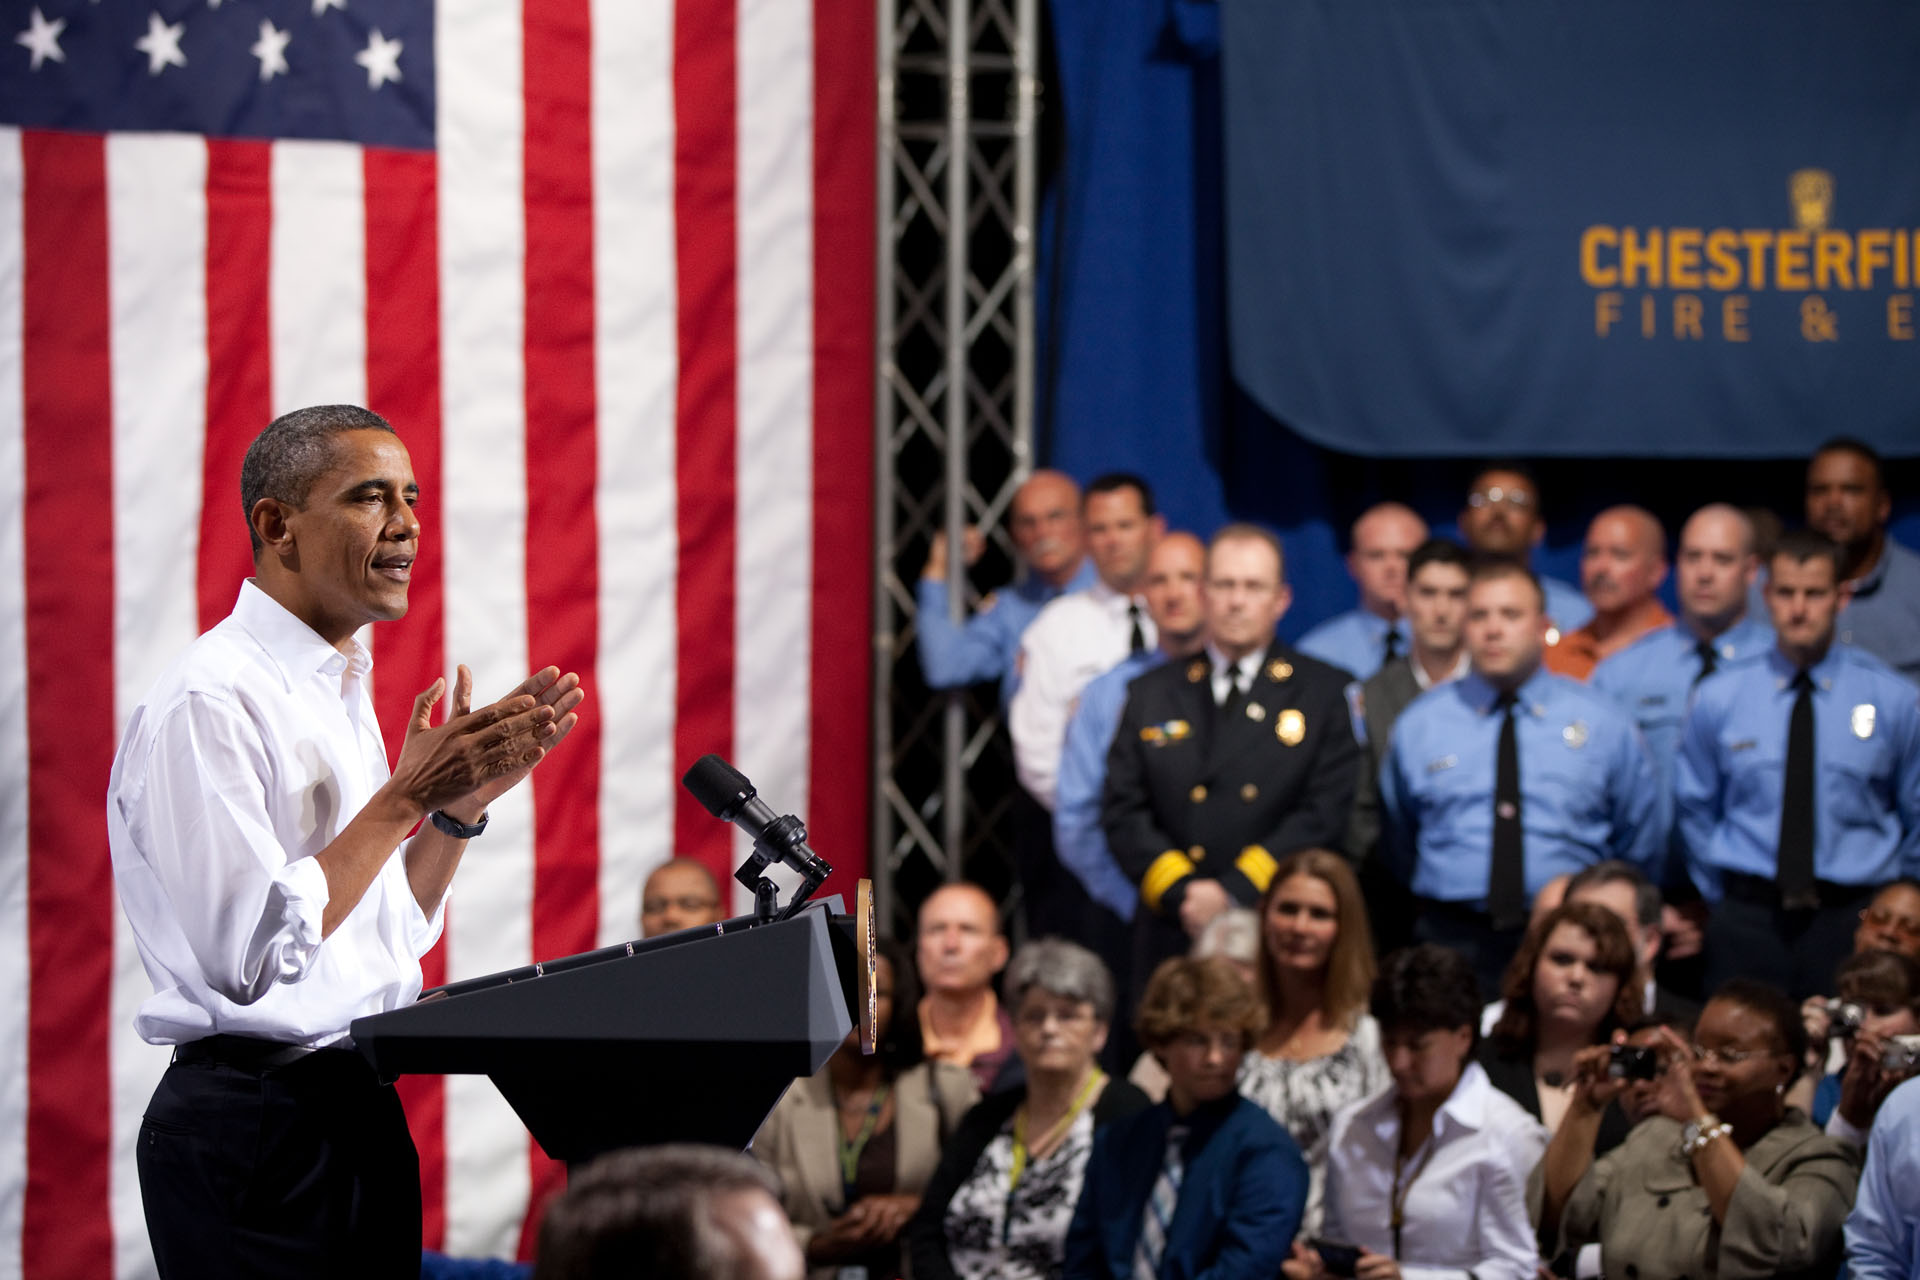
(985, 646)
(1883, 617)
(1569, 609)
(1078, 840)
(1587, 786)
(1653, 679)
(1355, 641)
(1866, 753)
(1883, 1231)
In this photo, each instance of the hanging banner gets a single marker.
(1616, 227)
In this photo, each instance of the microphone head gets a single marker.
(719, 787)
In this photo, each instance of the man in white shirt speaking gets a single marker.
(254, 829)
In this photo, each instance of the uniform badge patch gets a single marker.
(1256, 712)
(1291, 728)
(1575, 734)
(1278, 671)
(1196, 671)
(1862, 721)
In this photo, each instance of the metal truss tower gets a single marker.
(958, 156)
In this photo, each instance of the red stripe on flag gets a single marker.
(563, 587)
(843, 320)
(403, 385)
(239, 360)
(67, 383)
(705, 168)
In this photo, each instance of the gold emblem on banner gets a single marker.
(1291, 728)
(1811, 192)
(1863, 721)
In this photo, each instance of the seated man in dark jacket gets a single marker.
(1205, 1184)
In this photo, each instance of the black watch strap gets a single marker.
(458, 830)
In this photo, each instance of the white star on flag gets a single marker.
(271, 49)
(321, 6)
(381, 58)
(42, 39)
(161, 44)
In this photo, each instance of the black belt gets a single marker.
(1762, 892)
(1465, 912)
(244, 1053)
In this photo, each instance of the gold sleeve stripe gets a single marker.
(1167, 870)
(1258, 866)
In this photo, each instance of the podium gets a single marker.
(691, 1037)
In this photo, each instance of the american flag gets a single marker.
(607, 266)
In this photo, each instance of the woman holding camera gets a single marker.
(1430, 1173)
(1728, 1180)
(1570, 987)
(1882, 988)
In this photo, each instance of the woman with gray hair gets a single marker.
(1003, 1196)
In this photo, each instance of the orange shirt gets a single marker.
(1577, 653)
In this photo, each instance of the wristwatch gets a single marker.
(1699, 1132)
(454, 827)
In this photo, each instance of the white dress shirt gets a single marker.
(248, 757)
(1075, 638)
(1228, 672)
(1466, 1188)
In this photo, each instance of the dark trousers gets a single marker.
(1471, 933)
(304, 1170)
(1750, 935)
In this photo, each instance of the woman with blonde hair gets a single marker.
(1321, 1048)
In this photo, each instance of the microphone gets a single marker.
(726, 794)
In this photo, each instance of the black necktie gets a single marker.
(1393, 646)
(1708, 659)
(1797, 890)
(1507, 881)
(1136, 640)
(1235, 693)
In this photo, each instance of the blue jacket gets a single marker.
(1241, 1196)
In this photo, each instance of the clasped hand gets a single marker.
(468, 761)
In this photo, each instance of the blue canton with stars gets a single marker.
(350, 70)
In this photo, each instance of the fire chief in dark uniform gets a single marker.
(1226, 763)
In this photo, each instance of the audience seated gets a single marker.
(680, 894)
(1570, 986)
(999, 1202)
(1204, 1183)
(960, 950)
(1727, 1180)
(855, 1143)
(1234, 936)
(1884, 989)
(1889, 922)
(668, 1213)
(1430, 1172)
(1321, 1049)
(1624, 889)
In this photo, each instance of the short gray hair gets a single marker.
(1064, 969)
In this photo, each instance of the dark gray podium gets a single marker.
(687, 1038)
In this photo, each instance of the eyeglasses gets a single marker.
(690, 905)
(1494, 495)
(1725, 1057)
(1880, 918)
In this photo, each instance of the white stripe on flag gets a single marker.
(482, 248)
(318, 277)
(773, 654)
(156, 246)
(13, 705)
(635, 362)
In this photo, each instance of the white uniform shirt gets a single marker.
(1076, 638)
(1465, 1189)
(248, 757)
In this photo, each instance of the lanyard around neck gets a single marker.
(850, 1151)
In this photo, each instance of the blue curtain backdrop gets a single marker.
(1386, 216)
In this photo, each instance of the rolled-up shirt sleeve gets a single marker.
(249, 908)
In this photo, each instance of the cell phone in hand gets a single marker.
(1336, 1259)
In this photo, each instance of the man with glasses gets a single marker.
(1798, 787)
(1503, 518)
(680, 894)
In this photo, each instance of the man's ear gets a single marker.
(269, 522)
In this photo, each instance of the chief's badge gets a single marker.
(1196, 671)
(1291, 727)
(1278, 671)
(1256, 712)
(1863, 720)
(1575, 734)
